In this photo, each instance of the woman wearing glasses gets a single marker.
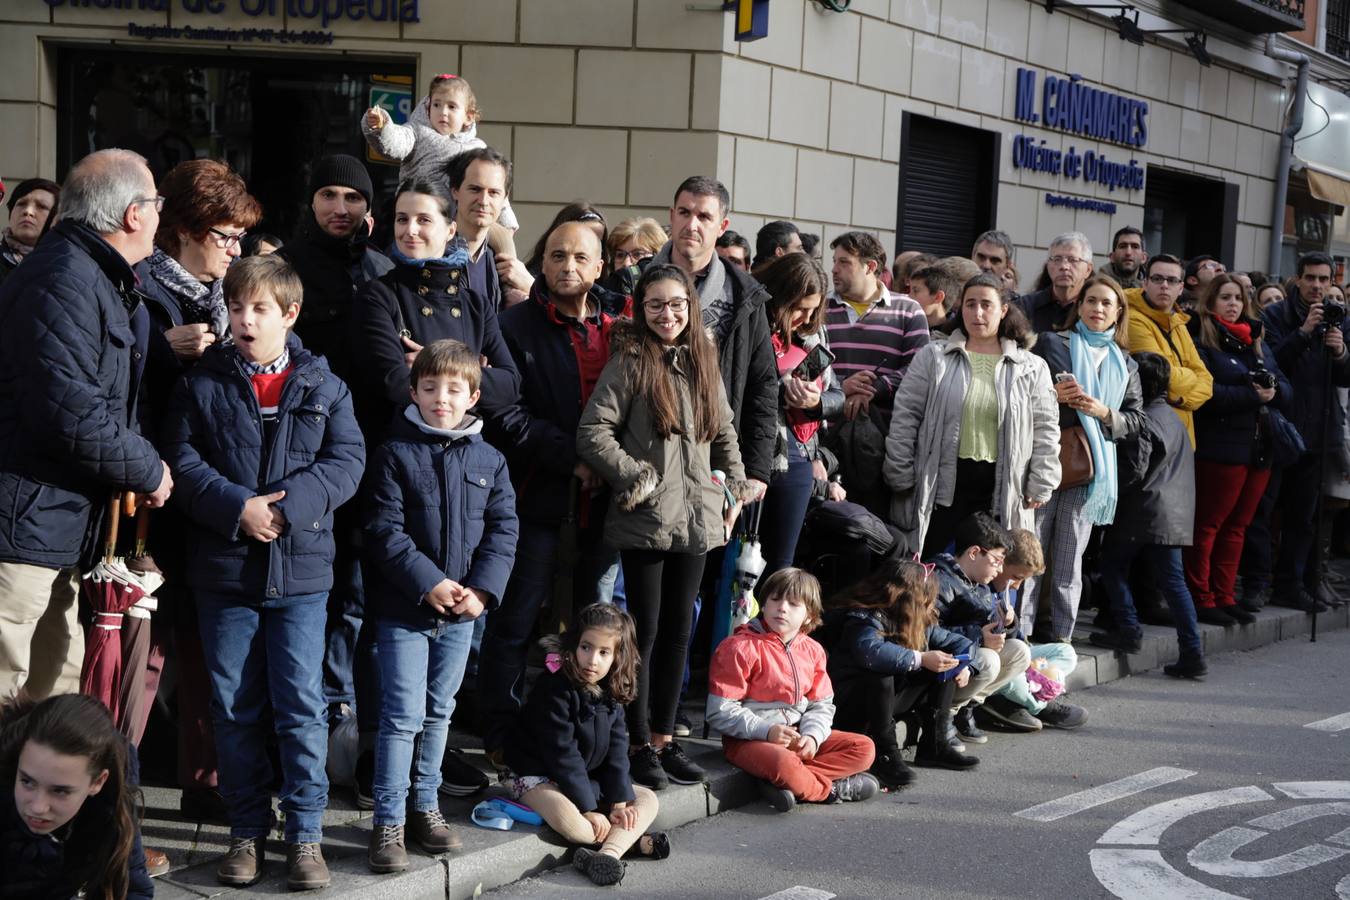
(975, 427)
(1097, 386)
(206, 211)
(656, 426)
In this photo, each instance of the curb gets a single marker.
(491, 859)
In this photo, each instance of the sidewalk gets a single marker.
(494, 858)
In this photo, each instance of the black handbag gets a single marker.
(1286, 444)
(851, 522)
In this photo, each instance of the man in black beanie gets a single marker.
(333, 257)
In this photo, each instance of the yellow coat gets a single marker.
(1165, 334)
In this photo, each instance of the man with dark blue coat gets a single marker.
(69, 362)
(559, 339)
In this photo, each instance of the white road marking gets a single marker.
(1135, 874)
(800, 892)
(1147, 825)
(1105, 793)
(1215, 855)
(1314, 790)
(1331, 725)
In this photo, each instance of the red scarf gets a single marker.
(1240, 330)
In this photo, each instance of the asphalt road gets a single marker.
(1203, 790)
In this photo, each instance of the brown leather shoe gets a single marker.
(156, 863)
(432, 833)
(305, 868)
(242, 864)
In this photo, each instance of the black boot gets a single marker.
(889, 768)
(935, 736)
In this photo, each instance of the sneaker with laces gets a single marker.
(305, 867)
(684, 726)
(432, 833)
(966, 727)
(854, 788)
(644, 767)
(1058, 714)
(242, 864)
(459, 777)
(679, 767)
(387, 851)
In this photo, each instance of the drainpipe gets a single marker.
(1286, 148)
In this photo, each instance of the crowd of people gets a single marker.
(374, 477)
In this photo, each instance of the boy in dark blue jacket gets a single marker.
(967, 607)
(264, 447)
(441, 532)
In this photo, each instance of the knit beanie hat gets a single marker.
(344, 170)
(24, 188)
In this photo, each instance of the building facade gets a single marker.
(925, 121)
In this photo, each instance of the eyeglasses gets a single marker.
(676, 304)
(624, 258)
(158, 201)
(224, 240)
(1162, 279)
(1066, 260)
(1212, 266)
(995, 558)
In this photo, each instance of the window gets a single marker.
(948, 185)
(1338, 28)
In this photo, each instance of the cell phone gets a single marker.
(962, 660)
(1066, 378)
(817, 360)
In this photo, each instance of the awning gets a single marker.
(1331, 188)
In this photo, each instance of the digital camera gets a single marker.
(1333, 313)
(1263, 377)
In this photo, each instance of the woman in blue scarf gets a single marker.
(1097, 386)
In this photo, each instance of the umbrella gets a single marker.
(134, 699)
(111, 590)
(742, 564)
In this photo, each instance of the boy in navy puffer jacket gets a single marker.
(441, 530)
(264, 447)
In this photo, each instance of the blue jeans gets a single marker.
(256, 656)
(501, 672)
(785, 505)
(1164, 563)
(421, 668)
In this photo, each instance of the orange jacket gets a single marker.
(756, 681)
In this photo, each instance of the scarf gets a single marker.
(201, 304)
(1240, 330)
(16, 246)
(1109, 388)
(456, 256)
(714, 294)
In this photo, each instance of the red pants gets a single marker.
(842, 754)
(1225, 502)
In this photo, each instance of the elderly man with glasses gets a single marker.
(1069, 264)
(70, 363)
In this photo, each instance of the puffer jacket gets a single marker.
(1230, 429)
(921, 449)
(963, 606)
(425, 153)
(213, 440)
(1165, 334)
(1053, 347)
(1157, 475)
(577, 739)
(664, 497)
(1301, 359)
(438, 504)
(859, 647)
(756, 682)
(68, 433)
(430, 302)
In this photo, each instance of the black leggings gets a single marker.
(973, 492)
(661, 588)
(873, 702)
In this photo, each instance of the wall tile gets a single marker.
(1017, 212)
(1183, 87)
(19, 64)
(706, 104)
(1214, 89)
(521, 84)
(877, 9)
(895, 110)
(982, 81)
(662, 24)
(659, 82)
(587, 23)
(1052, 221)
(874, 193)
(18, 141)
(1087, 49)
(936, 73)
(1155, 70)
(1048, 40)
(765, 175)
(1164, 129)
(1258, 201)
(830, 43)
(465, 20)
(1223, 143)
(1194, 135)
(964, 21)
(856, 119)
(783, 46)
(659, 160)
(745, 92)
(799, 111)
(923, 15)
(885, 55)
(1120, 64)
(1269, 106)
(1248, 159)
(1241, 96)
(556, 165)
(1007, 27)
(824, 186)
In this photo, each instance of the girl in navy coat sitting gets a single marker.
(889, 658)
(571, 747)
(68, 823)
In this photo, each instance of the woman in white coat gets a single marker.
(975, 425)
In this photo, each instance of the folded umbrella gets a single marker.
(111, 590)
(134, 692)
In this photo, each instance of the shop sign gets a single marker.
(1069, 105)
(324, 11)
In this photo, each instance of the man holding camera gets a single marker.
(1307, 333)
